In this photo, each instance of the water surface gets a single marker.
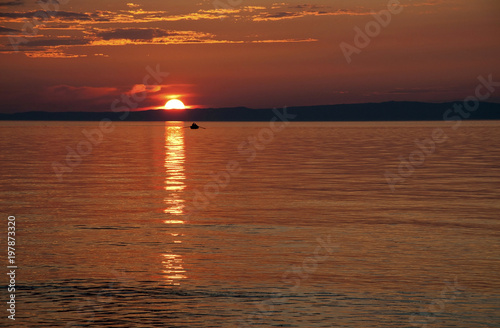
(163, 226)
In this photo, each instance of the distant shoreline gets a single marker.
(368, 112)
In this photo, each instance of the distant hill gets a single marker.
(387, 111)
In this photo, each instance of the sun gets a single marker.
(174, 104)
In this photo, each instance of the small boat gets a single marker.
(194, 126)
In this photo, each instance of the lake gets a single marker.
(318, 224)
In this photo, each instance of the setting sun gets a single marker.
(174, 104)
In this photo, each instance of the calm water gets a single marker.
(162, 226)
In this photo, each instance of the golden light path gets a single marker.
(174, 186)
(174, 168)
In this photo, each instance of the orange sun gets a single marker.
(174, 104)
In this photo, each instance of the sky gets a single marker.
(72, 55)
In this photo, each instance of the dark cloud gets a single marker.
(4, 30)
(55, 42)
(134, 33)
(48, 1)
(61, 26)
(102, 16)
(40, 14)
(11, 3)
(19, 15)
(71, 15)
(281, 14)
(306, 6)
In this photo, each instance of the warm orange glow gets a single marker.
(173, 221)
(174, 170)
(174, 269)
(175, 178)
(174, 104)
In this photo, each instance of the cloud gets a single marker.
(47, 1)
(90, 29)
(51, 53)
(5, 30)
(65, 97)
(131, 16)
(11, 3)
(141, 16)
(135, 16)
(281, 15)
(41, 14)
(425, 3)
(307, 6)
(138, 88)
(276, 12)
(80, 92)
(283, 11)
(292, 15)
(137, 36)
(190, 40)
(55, 42)
(58, 47)
(61, 26)
(135, 33)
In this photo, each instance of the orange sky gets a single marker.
(228, 53)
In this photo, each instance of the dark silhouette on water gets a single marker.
(195, 126)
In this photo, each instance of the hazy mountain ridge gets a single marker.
(387, 111)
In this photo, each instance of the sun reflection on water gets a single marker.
(174, 270)
(174, 201)
(174, 168)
